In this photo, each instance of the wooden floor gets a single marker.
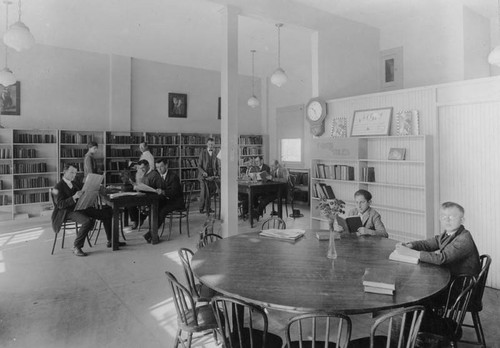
(117, 299)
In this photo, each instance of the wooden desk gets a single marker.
(298, 277)
(253, 188)
(150, 199)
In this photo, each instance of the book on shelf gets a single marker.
(319, 190)
(329, 191)
(323, 235)
(350, 223)
(288, 234)
(375, 290)
(380, 278)
(368, 174)
(404, 254)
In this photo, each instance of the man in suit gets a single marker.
(171, 194)
(208, 170)
(67, 192)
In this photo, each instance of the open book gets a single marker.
(404, 254)
(143, 187)
(289, 234)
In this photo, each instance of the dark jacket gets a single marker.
(173, 190)
(204, 160)
(64, 203)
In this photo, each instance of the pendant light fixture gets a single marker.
(19, 36)
(7, 78)
(253, 102)
(494, 56)
(279, 77)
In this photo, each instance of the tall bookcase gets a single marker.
(6, 174)
(402, 189)
(35, 170)
(121, 147)
(250, 146)
(73, 147)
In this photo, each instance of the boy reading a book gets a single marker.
(454, 247)
(372, 222)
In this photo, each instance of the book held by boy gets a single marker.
(350, 223)
(404, 254)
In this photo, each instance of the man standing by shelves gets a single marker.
(146, 155)
(89, 162)
(208, 171)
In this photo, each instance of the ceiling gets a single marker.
(187, 32)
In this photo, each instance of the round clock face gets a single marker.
(314, 111)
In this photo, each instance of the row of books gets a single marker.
(191, 151)
(4, 168)
(251, 140)
(26, 138)
(124, 139)
(27, 198)
(189, 174)
(164, 151)
(334, 171)
(4, 153)
(4, 200)
(124, 153)
(194, 139)
(36, 167)
(368, 174)
(1, 184)
(245, 151)
(77, 138)
(189, 163)
(31, 182)
(116, 165)
(162, 139)
(72, 152)
(321, 190)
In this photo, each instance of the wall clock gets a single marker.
(315, 115)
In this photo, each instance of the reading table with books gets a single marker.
(290, 271)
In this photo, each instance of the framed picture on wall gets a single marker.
(177, 105)
(10, 99)
(371, 122)
(391, 67)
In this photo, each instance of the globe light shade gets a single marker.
(494, 56)
(253, 102)
(279, 77)
(7, 77)
(19, 37)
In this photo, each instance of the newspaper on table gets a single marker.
(288, 234)
(143, 187)
(90, 191)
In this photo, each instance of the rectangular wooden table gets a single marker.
(141, 199)
(254, 188)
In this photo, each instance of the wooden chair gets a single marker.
(243, 325)
(98, 223)
(67, 224)
(274, 222)
(298, 328)
(402, 329)
(213, 193)
(208, 239)
(445, 327)
(180, 213)
(200, 292)
(191, 318)
(476, 301)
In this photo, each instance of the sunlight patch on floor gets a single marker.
(174, 257)
(166, 316)
(20, 236)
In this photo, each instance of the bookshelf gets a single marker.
(250, 146)
(34, 171)
(6, 177)
(73, 147)
(121, 147)
(402, 189)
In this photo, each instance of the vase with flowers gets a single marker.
(330, 209)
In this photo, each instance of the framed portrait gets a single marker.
(177, 105)
(219, 110)
(407, 122)
(371, 122)
(10, 99)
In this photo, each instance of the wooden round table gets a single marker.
(298, 277)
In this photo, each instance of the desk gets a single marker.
(298, 277)
(116, 203)
(253, 188)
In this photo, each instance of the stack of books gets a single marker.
(404, 254)
(379, 281)
(289, 234)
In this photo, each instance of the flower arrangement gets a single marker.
(330, 208)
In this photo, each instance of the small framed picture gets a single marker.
(371, 122)
(177, 105)
(407, 122)
(339, 127)
(10, 99)
(397, 153)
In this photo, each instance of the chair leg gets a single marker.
(121, 226)
(64, 234)
(479, 328)
(54, 245)
(170, 227)
(187, 223)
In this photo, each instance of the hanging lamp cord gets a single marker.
(279, 45)
(19, 10)
(7, 27)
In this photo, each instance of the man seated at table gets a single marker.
(152, 179)
(171, 194)
(67, 192)
(454, 248)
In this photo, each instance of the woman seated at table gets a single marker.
(372, 222)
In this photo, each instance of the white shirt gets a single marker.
(69, 183)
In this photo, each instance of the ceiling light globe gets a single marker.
(494, 56)
(279, 77)
(19, 37)
(7, 77)
(253, 102)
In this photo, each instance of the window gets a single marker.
(291, 150)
